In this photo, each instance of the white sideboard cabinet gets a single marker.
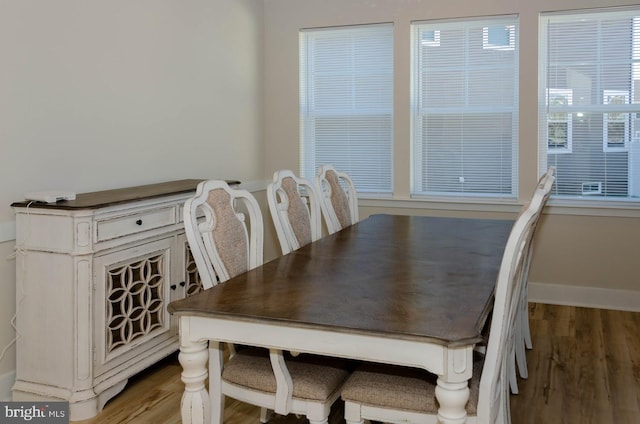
(94, 277)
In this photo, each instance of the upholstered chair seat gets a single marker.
(402, 388)
(314, 378)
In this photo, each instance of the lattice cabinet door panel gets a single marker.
(132, 291)
(192, 283)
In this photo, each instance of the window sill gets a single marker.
(457, 205)
(554, 206)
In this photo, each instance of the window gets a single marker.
(615, 128)
(590, 104)
(499, 37)
(346, 103)
(559, 123)
(465, 108)
(430, 38)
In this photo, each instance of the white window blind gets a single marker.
(465, 107)
(591, 58)
(346, 103)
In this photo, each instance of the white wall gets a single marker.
(106, 94)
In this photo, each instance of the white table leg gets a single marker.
(195, 406)
(452, 398)
(216, 358)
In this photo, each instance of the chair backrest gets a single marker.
(538, 202)
(339, 198)
(295, 210)
(543, 190)
(222, 243)
(493, 402)
(546, 181)
(522, 338)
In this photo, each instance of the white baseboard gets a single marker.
(6, 383)
(589, 297)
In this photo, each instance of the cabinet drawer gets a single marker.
(130, 224)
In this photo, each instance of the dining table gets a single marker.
(414, 291)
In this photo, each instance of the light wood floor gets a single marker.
(584, 368)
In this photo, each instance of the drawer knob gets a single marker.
(183, 283)
(139, 222)
(173, 287)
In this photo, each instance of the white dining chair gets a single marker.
(295, 210)
(339, 199)
(523, 332)
(518, 363)
(394, 394)
(224, 229)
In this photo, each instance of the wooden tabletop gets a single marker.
(397, 276)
